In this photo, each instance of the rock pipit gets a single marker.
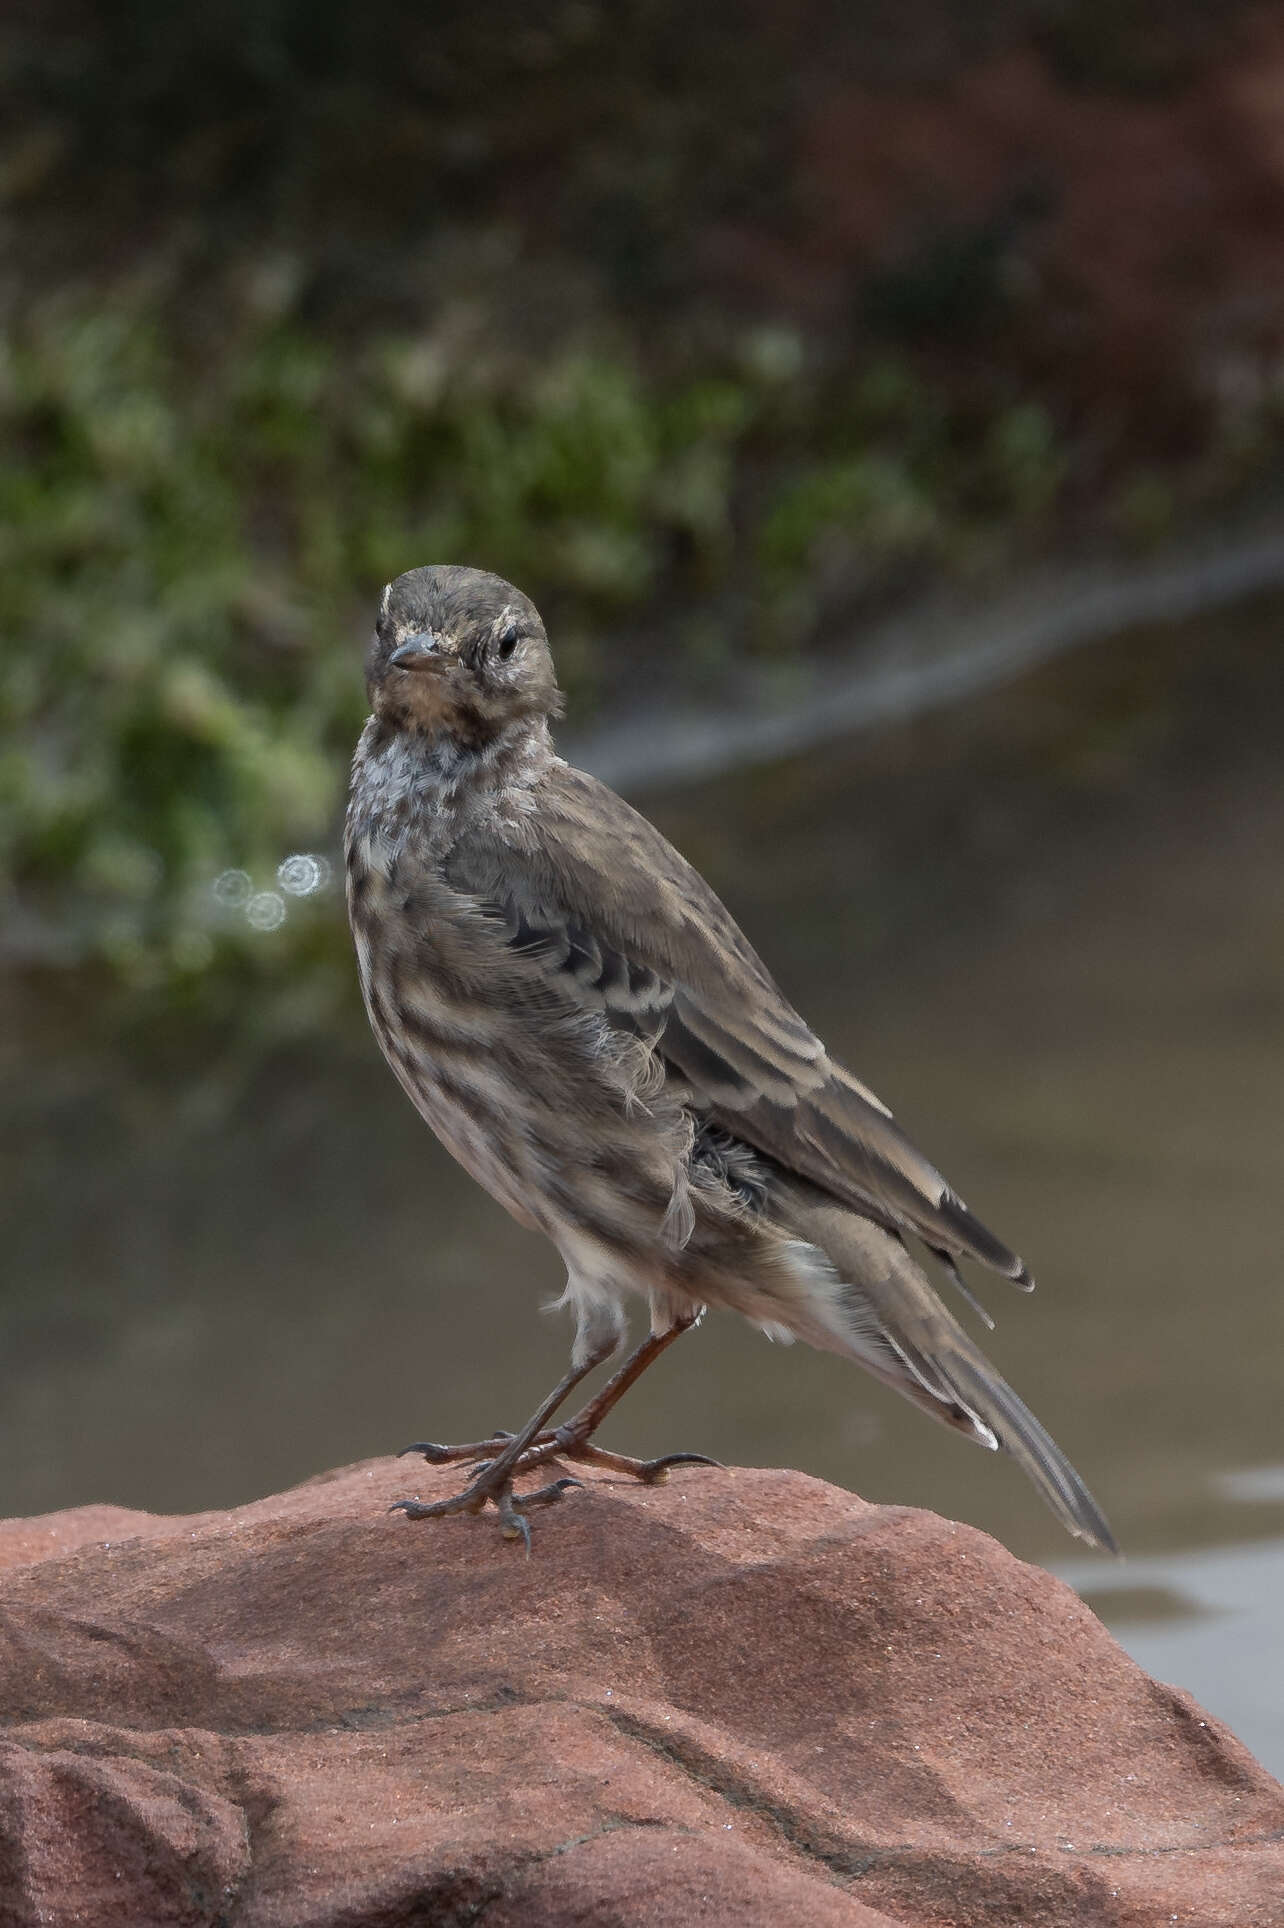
(582, 1023)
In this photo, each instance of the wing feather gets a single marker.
(593, 896)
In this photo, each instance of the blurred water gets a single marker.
(1047, 927)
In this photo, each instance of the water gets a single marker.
(1048, 927)
(1208, 1618)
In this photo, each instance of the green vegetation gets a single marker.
(192, 544)
(303, 295)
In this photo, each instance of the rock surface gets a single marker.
(739, 1698)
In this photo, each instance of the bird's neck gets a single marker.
(440, 769)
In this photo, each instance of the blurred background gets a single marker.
(885, 406)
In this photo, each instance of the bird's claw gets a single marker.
(512, 1508)
(652, 1472)
(437, 1455)
(421, 1510)
(547, 1495)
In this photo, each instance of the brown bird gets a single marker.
(583, 1024)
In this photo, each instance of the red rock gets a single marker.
(740, 1698)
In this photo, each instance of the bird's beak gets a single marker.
(424, 651)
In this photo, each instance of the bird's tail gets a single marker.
(879, 1308)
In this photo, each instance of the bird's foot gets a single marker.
(504, 1455)
(564, 1443)
(493, 1484)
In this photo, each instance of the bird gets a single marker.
(583, 1024)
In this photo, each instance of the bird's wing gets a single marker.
(593, 896)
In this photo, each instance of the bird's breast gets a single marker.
(438, 1030)
(563, 1117)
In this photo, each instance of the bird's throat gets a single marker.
(464, 752)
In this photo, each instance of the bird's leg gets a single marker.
(494, 1480)
(504, 1455)
(572, 1440)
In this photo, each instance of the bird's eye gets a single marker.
(507, 644)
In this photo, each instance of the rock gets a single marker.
(741, 1698)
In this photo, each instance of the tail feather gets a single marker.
(1017, 1429)
(887, 1316)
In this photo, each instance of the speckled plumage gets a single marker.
(585, 1027)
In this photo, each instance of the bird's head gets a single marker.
(459, 653)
